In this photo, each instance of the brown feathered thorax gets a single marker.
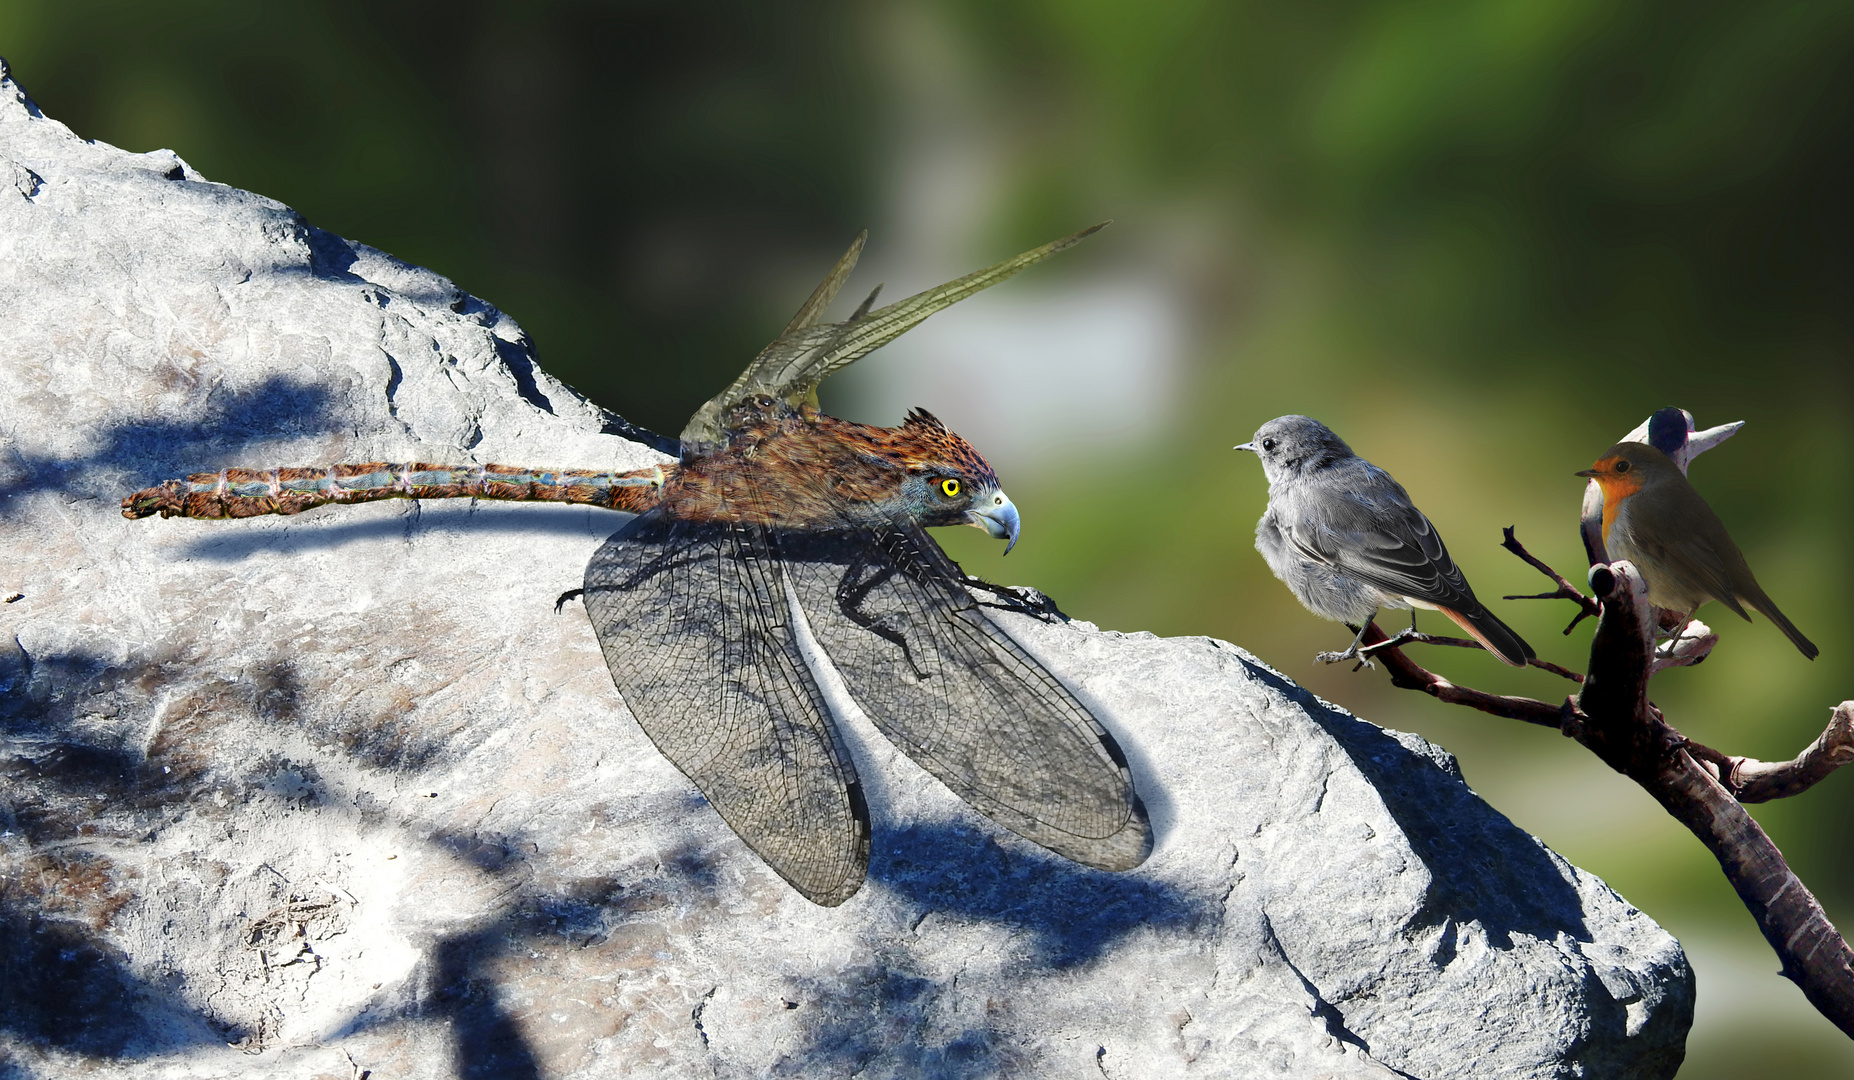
(804, 469)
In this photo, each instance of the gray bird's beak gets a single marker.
(1249, 446)
(995, 514)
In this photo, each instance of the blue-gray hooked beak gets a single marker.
(1249, 446)
(994, 513)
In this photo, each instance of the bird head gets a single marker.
(1625, 467)
(946, 481)
(1295, 445)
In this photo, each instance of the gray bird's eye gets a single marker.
(1268, 444)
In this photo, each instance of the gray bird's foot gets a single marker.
(1352, 651)
(1401, 637)
(1350, 654)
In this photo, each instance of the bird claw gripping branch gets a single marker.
(777, 515)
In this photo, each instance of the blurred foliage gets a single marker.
(1480, 239)
(618, 176)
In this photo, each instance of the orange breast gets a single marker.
(1615, 489)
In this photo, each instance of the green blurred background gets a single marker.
(1481, 239)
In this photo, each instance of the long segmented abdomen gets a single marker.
(241, 493)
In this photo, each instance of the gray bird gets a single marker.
(1346, 540)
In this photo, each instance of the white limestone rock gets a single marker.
(307, 797)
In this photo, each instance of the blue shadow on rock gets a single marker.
(885, 1016)
(1073, 913)
(885, 1011)
(1483, 867)
(488, 1043)
(225, 542)
(63, 985)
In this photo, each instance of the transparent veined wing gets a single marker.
(696, 629)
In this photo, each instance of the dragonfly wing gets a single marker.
(792, 366)
(695, 625)
(960, 697)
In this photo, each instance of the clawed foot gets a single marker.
(570, 594)
(1353, 653)
(1021, 600)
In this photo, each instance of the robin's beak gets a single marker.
(1591, 473)
(994, 513)
(1249, 446)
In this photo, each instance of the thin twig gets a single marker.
(1587, 607)
(1417, 637)
(1410, 675)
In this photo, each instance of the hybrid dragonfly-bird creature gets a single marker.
(775, 516)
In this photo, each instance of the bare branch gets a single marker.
(1612, 716)
(1753, 781)
(1413, 637)
(1812, 951)
(1620, 728)
(1409, 675)
(1631, 736)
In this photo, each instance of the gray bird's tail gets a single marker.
(1498, 637)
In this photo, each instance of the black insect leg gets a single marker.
(851, 593)
(1030, 602)
(625, 429)
(570, 594)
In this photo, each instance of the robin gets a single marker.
(1653, 517)
(1346, 540)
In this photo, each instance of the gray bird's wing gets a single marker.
(696, 629)
(1366, 527)
(959, 696)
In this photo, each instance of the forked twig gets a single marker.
(1587, 607)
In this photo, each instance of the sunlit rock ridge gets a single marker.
(342, 794)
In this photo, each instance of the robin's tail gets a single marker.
(1495, 635)
(1769, 611)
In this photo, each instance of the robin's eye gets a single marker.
(1622, 466)
(1268, 444)
(949, 488)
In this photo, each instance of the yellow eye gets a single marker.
(950, 488)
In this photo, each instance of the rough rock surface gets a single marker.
(311, 797)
